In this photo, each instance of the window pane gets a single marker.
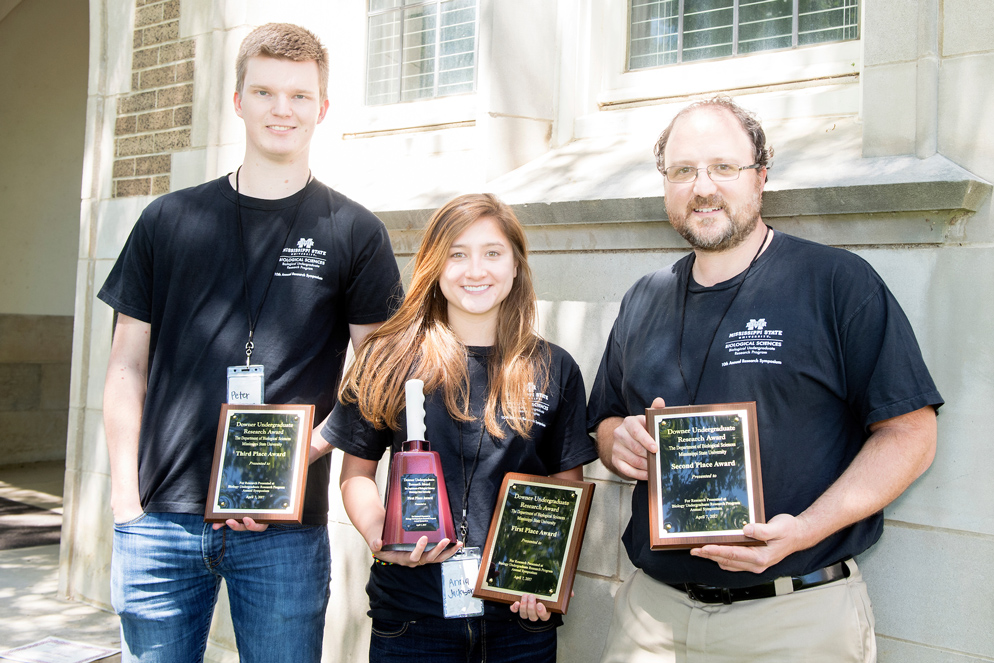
(665, 32)
(383, 63)
(418, 75)
(654, 28)
(380, 5)
(827, 20)
(707, 29)
(420, 49)
(457, 47)
(765, 25)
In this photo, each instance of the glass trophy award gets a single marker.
(416, 503)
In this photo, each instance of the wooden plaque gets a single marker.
(260, 463)
(705, 484)
(534, 542)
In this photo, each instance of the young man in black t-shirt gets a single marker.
(266, 249)
(845, 407)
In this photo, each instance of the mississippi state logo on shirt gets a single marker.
(302, 260)
(755, 344)
(539, 406)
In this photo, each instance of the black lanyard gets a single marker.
(253, 319)
(683, 320)
(464, 523)
(466, 483)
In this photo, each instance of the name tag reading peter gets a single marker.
(247, 384)
(260, 463)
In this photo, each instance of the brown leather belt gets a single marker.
(727, 595)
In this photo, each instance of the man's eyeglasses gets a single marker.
(718, 172)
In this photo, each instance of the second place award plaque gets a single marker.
(705, 482)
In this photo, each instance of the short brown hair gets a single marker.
(750, 124)
(284, 41)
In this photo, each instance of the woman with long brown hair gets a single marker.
(498, 399)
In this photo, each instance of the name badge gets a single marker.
(246, 385)
(459, 574)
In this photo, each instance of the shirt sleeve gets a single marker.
(886, 375)
(347, 430)
(574, 445)
(374, 289)
(128, 287)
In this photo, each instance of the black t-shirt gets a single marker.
(558, 442)
(813, 336)
(181, 271)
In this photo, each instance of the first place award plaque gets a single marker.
(705, 483)
(260, 463)
(534, 541)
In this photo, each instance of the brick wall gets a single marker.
(154, 120)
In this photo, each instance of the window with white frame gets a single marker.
(663, 32)
(420, 49)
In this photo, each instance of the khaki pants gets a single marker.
(654, 623)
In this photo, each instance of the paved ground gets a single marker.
(29, 577)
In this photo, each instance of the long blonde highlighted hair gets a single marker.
(417, 342)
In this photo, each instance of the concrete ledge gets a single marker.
(922, 212)
(963, 195)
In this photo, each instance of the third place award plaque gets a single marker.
(260, 463)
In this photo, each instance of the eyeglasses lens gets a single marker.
(718, 172)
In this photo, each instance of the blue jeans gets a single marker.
(472, 640)
(166, 571)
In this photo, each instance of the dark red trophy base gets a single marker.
(427, 511)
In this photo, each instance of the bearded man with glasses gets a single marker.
(846, 411)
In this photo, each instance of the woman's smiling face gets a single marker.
(478, 275)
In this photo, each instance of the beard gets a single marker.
(719, 234)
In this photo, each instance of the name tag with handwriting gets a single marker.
(459, 574)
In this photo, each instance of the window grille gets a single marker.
(666, 32)
(420, 49)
